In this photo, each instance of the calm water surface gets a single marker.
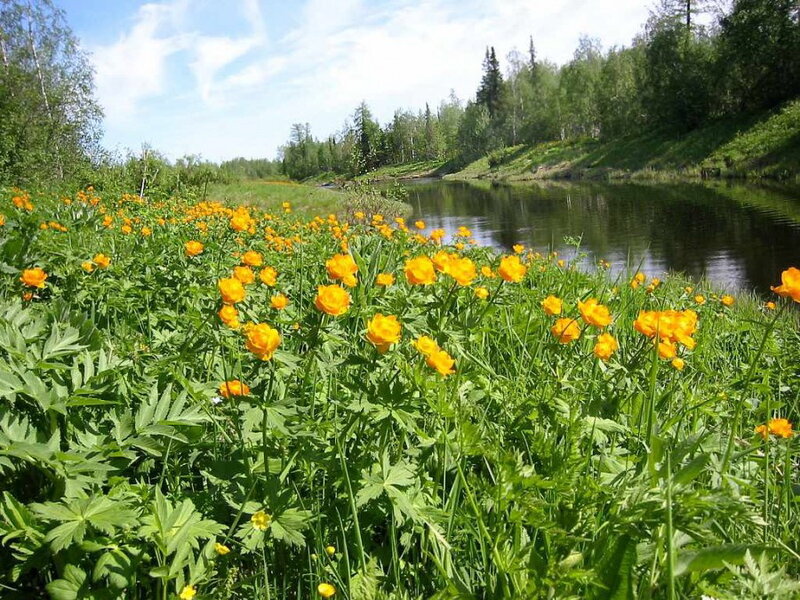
(737, 236)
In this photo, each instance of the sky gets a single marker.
(227, 78)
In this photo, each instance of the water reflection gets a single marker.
(737, 236)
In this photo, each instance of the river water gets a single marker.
(737, 236)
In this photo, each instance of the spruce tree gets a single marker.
(491, 83)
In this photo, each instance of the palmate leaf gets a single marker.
(289, 524)
(76, 517)
(385, 478)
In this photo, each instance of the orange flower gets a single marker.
(420, 271)
(342, 267)
(594, 313)
(193, 248)
(777, 427)
(566, 330)
(727, 300)
(233, 388)
(419, 225)
(231, 289)
(33, 277)
(518, 248)
(262, 340)
(511, 269)
(251, 258)
(383, 331)
(769, 306)
(552, 305)
(279, 301)
(244, 274)
(666, 349)
(486, 271)
(441, 260)
(384, 279)
(462, 270)
(790, 284)
(441, 361)
(87, 266)
(678, 363)
(268, 276)
(426, 345)
(332, 300)
(605, 346)
(229, 315)
(101, 260)
(241, 221)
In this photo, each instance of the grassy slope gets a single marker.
(305, 199)
(765, 145)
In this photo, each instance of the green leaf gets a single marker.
(715, 557)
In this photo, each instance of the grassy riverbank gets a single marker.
(766, 145)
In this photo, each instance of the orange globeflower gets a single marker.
(101, 260)
(240, 221)
(279, 301)
(231, 289)
(462, 270)
(233, 388)
(251, 258)
(342, 267)
(268, 276)
(727, 300)
(193, 248)
(777, 427)
(332, 300)
(605, 346)
(419, 224)
(441, 361)
(481, 293)
(262, 340)
(87, 266)
(426, 345)
(384, 279)
(552, 305)
(441, 260)
(666, 349)
(383, 331)
(511, 269)
(594, 313)
(678, 363)
(790, 284)
(566, 330)
(229, 315)
(700, 299)
(33, 277)
(244, 274)
(420, 271)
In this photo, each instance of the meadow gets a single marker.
(200, 399)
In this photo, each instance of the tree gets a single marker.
(489, 92)
(50, 125)
(431, 135)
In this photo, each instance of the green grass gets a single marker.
(306, 200)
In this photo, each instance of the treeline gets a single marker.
(694, 62)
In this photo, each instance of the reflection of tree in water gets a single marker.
(692, 228)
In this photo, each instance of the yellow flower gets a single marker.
(342, 267)
(678, 363)
(426, 345)
(279, 301)
(769, 306)
(231, 289)
(146, 231)
(420, 271)
(566, 330)
(419, 225)
(605, 346)
(229, 315)
(384, 279)
(193, 248)
(261, 520)
(482, 293)
(666, 349)
(486, 271)
(790, 284)
(244, 274)
(251, 258)
(332, 300)
(518, 248)
(101, 260)
(441, 361)
(87, 266)
(552, 305)
(383, 331)
(462, 270)
(700, 299)
(330, 550)
(511, 269)
(268, 276)
(777, 427)
(326, 590)
(221, 549)
(240, 221)
(441, 260)
(262, 340)
(232, 388)
(594, 313)
(33, 277)
(188, 592)
(727, 300)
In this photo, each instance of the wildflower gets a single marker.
(359, 215)
(384, 279)
(232, 388)
(777, 427)
(268, 276)
(727, 300)
(27, 296)
(188, 592)
(326, 590)
(552, 305)
(441, 361)
(193, 248)
(87, 266)
(441, 260)
(342, 267)
(126, 229)
(678, 363)
(605, 346)
(244, 274)
(146, 231)
(518, 248)
(566, 330)
(240, 222)
(420, 271)
(511, 269)
(330, 550)
(261, 520)
(102, 261)
(561, 263)
(437, 235)
(383, 331)
(594, 313)
(262, 340)
(33, 277)
(419, 225)
(426, 345)
(229, 315)
(108, 221)
(769, 305)
(462, 270)
(332, 300)
(700, 299)
(279, 301)
(790, 284)
(221, 549)
(2, 220)
(666, 349)
(482, 293)
(639, 277)
(231, 289)
(251, 258)
(486, 271)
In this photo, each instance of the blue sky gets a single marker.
(227, 78)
